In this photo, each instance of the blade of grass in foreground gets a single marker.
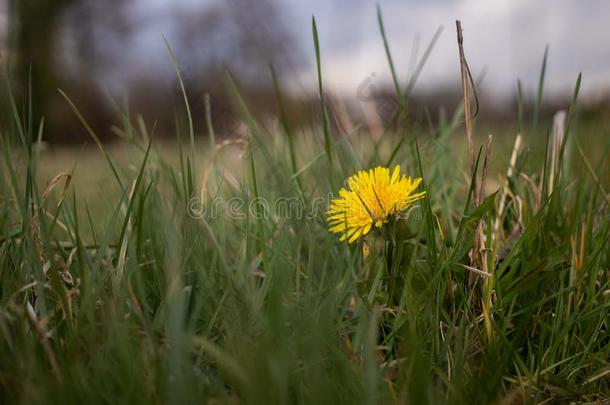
(285, 126)
(569, 122)
(431, 235)
(422, 62)
(172, 55)
(538, 102)
(95, 138)
(259, 214)
(386, 46)
(128, 214)
(520, 107)
(325, 123)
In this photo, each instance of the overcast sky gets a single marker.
(504, 38)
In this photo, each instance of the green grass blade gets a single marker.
(388, 53)
(323, 108)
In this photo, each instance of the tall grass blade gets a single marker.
(323, 108)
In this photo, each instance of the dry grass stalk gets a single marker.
(478, 254)
(42, 335)
(464, 78)
(509, 173)
(481, 195)
(482, 250)
(559, 120)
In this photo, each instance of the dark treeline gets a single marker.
(68, 44)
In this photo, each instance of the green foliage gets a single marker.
(150, 302)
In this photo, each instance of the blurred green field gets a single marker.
(118, 285)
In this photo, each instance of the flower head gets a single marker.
(372, 198)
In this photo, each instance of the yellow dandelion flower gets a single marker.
(373, 197)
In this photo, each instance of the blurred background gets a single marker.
(110, 56)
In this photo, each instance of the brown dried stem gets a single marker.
(467, 115)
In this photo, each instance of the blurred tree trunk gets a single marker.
(34, 27)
